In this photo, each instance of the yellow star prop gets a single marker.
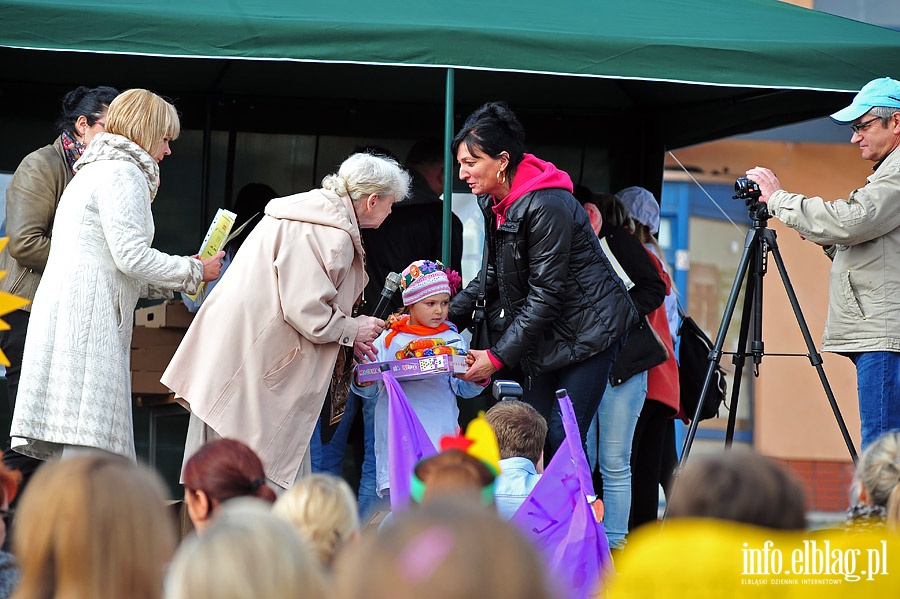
(8, 303)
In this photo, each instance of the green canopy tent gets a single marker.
(635, 78)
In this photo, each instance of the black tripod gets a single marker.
(759, 242)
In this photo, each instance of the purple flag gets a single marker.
(559, 519)
(407, 442)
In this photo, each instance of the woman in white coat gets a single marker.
(75, 387)
(257, 360)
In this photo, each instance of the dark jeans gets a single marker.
(12, 342)
(647, 452)
(584, 381)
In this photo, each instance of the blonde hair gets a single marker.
(363, 174)
(444, 548)
(143, 117)
(247, 553)
(323, 511)
(878, 472)
(93, 526)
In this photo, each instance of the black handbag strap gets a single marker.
(480, 312)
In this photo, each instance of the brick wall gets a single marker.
(827, 484)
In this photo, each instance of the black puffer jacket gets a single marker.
(561, 298)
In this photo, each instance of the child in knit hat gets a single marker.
(420, 329)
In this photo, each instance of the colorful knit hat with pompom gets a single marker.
(424, 278)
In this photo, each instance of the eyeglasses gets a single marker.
(7, 516)
(861, 126)
(101, 123)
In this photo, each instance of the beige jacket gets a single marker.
(257, 360)
(864, 292)
(31, 200)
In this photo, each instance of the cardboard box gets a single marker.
(167, 315)
(154, 359)
(413, 368)
(148, 337)
(143, 381)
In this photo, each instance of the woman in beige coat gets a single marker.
(256, 363)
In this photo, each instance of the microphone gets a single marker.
(383, 307)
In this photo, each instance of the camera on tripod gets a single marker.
(747, 190)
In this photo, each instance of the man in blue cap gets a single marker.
(862, 237)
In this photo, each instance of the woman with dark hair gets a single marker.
(567, 310)
(218, 471)
(31, 200)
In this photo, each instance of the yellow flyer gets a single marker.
(215, 239)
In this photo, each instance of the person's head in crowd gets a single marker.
(84, 112)
(644, 211)
(603, 209)
(453, 472)
(146, 119)
(373, 182)
(520, 429)
(251, 200)
(489, 148)
(426, 157)
(323, 511)
(877, 478)
(445, 549)
(221, 470)
(93, 526)
(247, 553)
(742, 486)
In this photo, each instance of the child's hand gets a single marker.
(358, 384)
(364, 352)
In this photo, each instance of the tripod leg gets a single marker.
(715, 355)
(750, 342)
(740, 357)
(814, 357)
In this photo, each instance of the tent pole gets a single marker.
(205, 160)
(447, 232)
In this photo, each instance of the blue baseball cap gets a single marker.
(878, 92)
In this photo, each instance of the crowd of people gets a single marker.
(576, 277)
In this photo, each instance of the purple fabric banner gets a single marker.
(407, 442)
(559, 519)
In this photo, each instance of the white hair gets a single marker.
(246, 553)
(363, 174)
(878, 471)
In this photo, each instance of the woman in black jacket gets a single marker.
(566, 308)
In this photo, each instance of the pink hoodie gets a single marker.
(531, 174)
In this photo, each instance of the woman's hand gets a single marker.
(480, 366)
(369, 328)
(212, 267)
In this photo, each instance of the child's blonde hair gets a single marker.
(323, 510)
